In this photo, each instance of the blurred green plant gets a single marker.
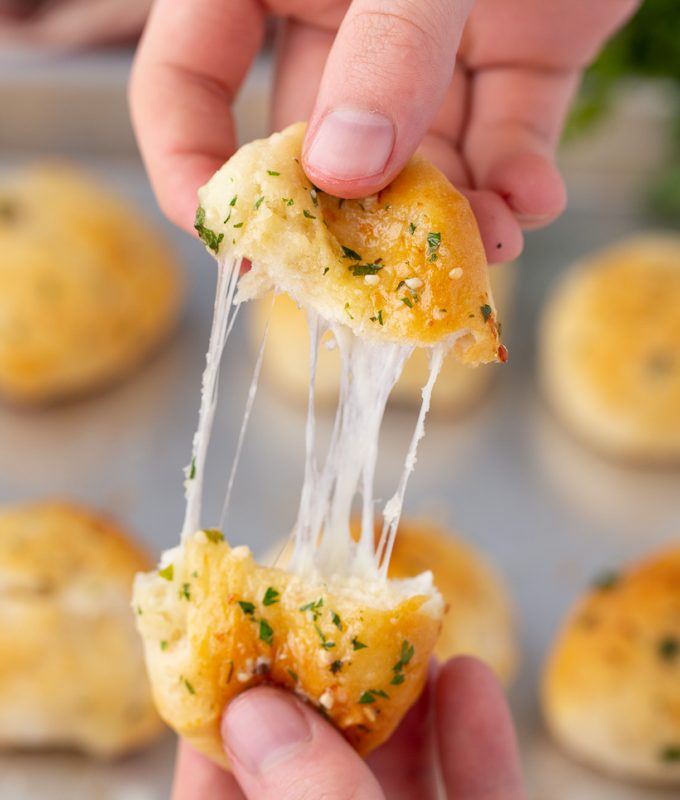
(647, 48)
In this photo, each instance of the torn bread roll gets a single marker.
(611, 686)
(215, 623)
(286, 366)
(87, 288)
(72, 668)
(401, 269)
(609, 364)
(479, 617)
(405, 265)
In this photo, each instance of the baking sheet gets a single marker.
(547, 511)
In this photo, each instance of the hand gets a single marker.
(376, 78)
(60, 24)
(281, 749)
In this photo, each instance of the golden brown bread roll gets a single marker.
(214, 623)
(87, 289)
(609, 355)
(611, 687)
(286, 362)
(405, 265)
(72, 669)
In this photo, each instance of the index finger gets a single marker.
(190, 63)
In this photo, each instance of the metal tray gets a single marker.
(548, 512)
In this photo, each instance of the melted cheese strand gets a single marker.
(250, 400)
(228, 271)
(393, 507)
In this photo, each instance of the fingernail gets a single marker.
(262, 727)
(351, 144)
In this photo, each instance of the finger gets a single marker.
(191, 61)
(384, 80)
(477, 747)
(516, 118)
(197, 778)
(300, 58)
(282, 749)
(405, 764)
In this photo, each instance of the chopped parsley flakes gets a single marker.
(324, 639)
(433, 242)
(266, 632)
(336, 666)
(188, 686)
(271, 596)
(372, 695)
(288, 201)
(167, 572)
(407, 653)
(210, 238)
(259, 202)
(213, 535)
(313, 607)
(164, 645)
(357, 645)
(407, 301)
(366, 269)
(336, 620)
(273, 173)
(293, 675)
(669, 648)
(486, 311)
(185, 591)
(246, 607)
(378, 317)
(307, 214)
(349, 253)
(191, 472)
(412, 227)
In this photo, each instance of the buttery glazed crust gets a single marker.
(611, 688)
(286, 359)
(203, 647)
(72, 671)
(609, 340)
(87, 289)
(418, 229)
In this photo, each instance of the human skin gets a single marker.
(482, 87)
(281, 749)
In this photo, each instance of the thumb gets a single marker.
(384, 80)
(281, 749)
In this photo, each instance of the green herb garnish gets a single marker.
(287, 201)
(412, 228)
(407, 301)
(336, 666)
(266, 632)
(233, 200)
(407, 653)
(293, 675)
(669, 647)
(259, 202)
(324, 639)
(398, 678)
(313, 194)
(606, 580)
(313, 607)
(273, 173)
(326, 270)
(357, 645)
(238, 225)
(349, 253)
(670, 755)
(378, 317)
(246, 607)
(365, 269)
(189, 687)
(486, 311)
(210, 238)
(371, 695)
(191, 473)
(271, 596)
(336, 620)
(185, 591)
(307, 214)
(433, 242)
(167, 572)
(348, 311)
(164, 645)
(214, 535)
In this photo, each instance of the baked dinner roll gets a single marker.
(72, 669)
(404, 265)
(87, 289)
(286, 359)
(214, 623)
(479, 615)
(611, 687)
(610, 364)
